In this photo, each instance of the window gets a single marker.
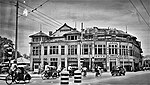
(95, 49)
(113, 49)
(120, 50)
(104, 49)
(53, 59)
(45, 50)
(36, 39)
(73, 37)
(62, 50)
(123, 50)
(100, 49)
(72, 49)
(36, 50)
(130, 51)
(53, 50)
(126, 50)
(87, 49)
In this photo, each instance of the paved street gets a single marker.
(131, 78)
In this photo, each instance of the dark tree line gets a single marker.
(3, 56)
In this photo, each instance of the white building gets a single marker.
(103, 47)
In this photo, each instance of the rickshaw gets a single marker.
(20, 75)
(118, 71)
(51, 73)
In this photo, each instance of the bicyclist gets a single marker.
(13, 69)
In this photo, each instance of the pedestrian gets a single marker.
(100, 70)
(70, 70)
(84, 70)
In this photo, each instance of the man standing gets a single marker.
(69, 69)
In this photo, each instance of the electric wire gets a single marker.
(42, 22)
(139, 13)
(12, 3)
(35, 9)
(144, 7)
(36, 16)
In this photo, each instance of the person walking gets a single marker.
(70, 70)
(84, 70)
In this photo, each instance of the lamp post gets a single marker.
(16, 36)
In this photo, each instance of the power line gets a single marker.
(35, 9)
(144, 7)
(37, 17)
(47, 24)
(7, 3)
(139, 13)
(42, 21)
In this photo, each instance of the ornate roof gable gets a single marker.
(62, 30)
(39, 34)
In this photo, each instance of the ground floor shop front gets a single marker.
(90, 63)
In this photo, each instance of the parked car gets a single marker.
(118, 71)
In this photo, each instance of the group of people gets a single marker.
(17, 72)
(98, 70)
(52, 70)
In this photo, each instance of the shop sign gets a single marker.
(99, 60)
(72, 59)
(36, 60)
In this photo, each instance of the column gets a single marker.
(48, 59)
(108, 59)
(118, 48)
(31, 58)
(59, 49)
(42, 56)
(66, 53)
(59, 58)
(78, 53)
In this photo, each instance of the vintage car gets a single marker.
(118, 71)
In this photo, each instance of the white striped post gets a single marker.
(77, 76)
(64, 78)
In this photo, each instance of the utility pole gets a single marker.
(16, 36)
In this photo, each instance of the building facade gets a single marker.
(146, 61)
(94, 46)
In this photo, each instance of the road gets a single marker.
(131, 78)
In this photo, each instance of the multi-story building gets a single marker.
(146, 61)
(94, 46)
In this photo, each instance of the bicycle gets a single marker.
(17, 76)
(10, 78)
(47, 75)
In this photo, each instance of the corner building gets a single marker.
(94, 46)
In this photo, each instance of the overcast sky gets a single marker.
(100, 13)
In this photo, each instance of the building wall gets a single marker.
(117, 52)
(105, 60)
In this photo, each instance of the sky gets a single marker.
(52, 14)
